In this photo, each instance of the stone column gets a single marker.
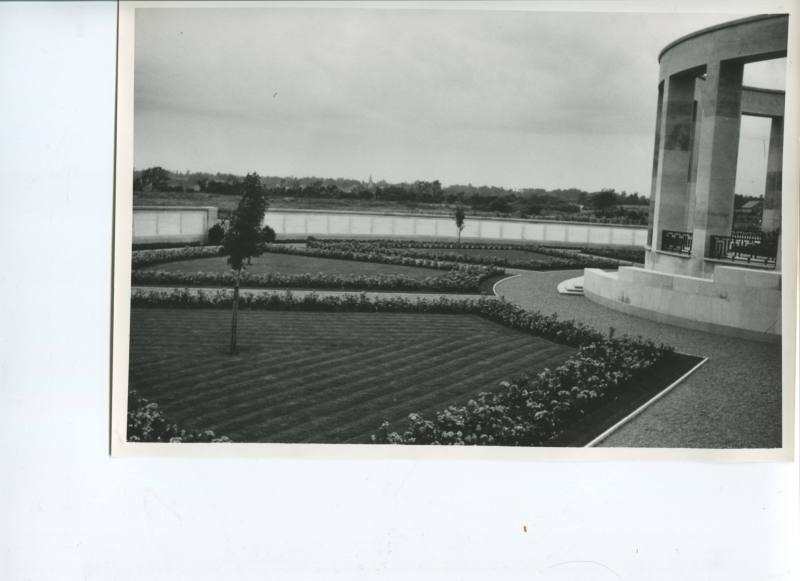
(720, 120)
(656, 155)
(671, 211)
(692, 187)
(771, 219)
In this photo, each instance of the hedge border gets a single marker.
(458, 277)
(527, 411)
(453, 281)
(427, 249)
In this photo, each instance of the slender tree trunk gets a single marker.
(235, 312)
(459, 237)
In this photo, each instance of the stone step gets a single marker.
(572, 286)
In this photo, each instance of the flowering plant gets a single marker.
(147, 423)
(455, 280)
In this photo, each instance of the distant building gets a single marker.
(748, 216)
(752, 207)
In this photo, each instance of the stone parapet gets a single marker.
(737, 301)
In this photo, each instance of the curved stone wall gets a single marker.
(745, 40)
(701, 102)
(690, 277)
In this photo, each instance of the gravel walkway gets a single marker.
(733, 401)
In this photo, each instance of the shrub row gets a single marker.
(147, 423)
(626, 254)
(382, 256)
(142, 258)
(146, 257)
(426, 244)
(164, 245)
(452, 281)
(449, 252)
(526, 411)
(546, 326)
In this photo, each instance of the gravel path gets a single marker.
(733, 401)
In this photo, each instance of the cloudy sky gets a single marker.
(515, 99)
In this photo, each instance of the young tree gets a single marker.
(459, 217)
(243, 239)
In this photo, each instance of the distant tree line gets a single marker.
(529, 202)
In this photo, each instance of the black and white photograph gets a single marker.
(405, 227)
(354, 290)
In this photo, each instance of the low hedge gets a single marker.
(141, 258)
(380, 255)
(452, 281)
(527, 411)
(449, 253)
(626, 254)
(147, 423)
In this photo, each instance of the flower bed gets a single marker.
(344, 251)
(456, 280)
(146, 423)
(534, 411)
(451, 252)
(527, 411)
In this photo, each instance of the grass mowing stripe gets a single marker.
(298, 330)
(215, 363)
(336, 391)
(214, 404)
(211, 317)
(415, 382)
(419, 359)
(435, 395)
(434, 401)
(301, 388)
(317, 359)
(424, 402)
(304, 390)
(166, 370)
(290, 370)
(220, 368)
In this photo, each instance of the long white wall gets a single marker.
(301, 223)
(155, 224)
(152, 224)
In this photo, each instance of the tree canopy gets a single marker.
(243, 238)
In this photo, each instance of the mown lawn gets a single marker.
(320, 377)
(294, 264)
